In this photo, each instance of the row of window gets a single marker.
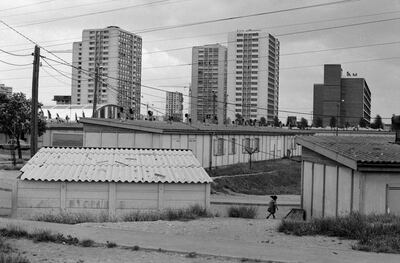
(248, 146)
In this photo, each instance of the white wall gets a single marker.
(271, 147)
(36, 197)
(329, 190)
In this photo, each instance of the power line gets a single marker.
(23, 6)
(17, 65)
(240, 17)
(14, 54)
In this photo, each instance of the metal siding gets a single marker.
(114, 165)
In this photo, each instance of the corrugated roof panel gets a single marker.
(115, 165)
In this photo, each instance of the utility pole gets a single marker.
(34, 105)
(96, 80)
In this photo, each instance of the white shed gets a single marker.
(109, 180)
(343, 174)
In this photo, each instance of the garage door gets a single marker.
(393, 200)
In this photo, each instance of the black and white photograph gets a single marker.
(197, 131)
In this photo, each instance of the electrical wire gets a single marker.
(14, 54)
(16, 65)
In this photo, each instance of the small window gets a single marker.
(219, 146)
(232, 146)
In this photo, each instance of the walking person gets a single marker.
(272, 206)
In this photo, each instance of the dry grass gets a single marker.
(377, 233)
(269, 177)
(242, 211)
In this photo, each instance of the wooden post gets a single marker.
(34, 106)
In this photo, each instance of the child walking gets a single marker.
(272, 206)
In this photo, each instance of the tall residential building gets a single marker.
(5, 90)
(118, 55)
(174, 105)
(345, 99)
(253, 75)
(208, 88)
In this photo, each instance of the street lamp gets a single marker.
(337, 116)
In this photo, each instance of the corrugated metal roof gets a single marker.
(362, 149)
(114, 165)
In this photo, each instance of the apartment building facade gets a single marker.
(174, 105)
(5, 90)
(209, 84)
(346, 99)
(253, 75)
(117, 54)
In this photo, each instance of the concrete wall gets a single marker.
(36, 197)
(271, 147)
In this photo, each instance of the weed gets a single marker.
(43, 236)
(11, 258)
(242, 211)
(191, 255)
(378, 233)
(110, 244)
(87, 243)
(136, 248)
(13, 231)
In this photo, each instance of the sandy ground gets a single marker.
(58, 253)
(225, 229)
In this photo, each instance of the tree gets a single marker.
(332, 122)
(318, 122)
(363, 123)
(15, 118)
(263, 121)
(378, 124)
(303, 123)
(239, 119)
(276, 121)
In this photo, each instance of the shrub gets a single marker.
(136, 248)
(66, 218)
(43, 236)
(110, 244)
(242, 211)
(13, 231)
(87, 243)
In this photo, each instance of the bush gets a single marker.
(110, 244)
(87, 243)
(378, 233)
(13, 231)
(242, 211)
(67, 218)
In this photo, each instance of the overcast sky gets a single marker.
(57, 23)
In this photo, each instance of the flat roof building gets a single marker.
(253, 75)
(118, 56)
(208, 88)
(174, 105)
(345, 99)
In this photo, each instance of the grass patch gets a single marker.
(269, 177)
(375, 233)
(8, 255)
(242, 211)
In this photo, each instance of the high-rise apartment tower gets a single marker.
(253, 75)
(208, 87)
(174, 105)
(118, 56)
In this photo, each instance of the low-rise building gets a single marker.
(344, 174)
